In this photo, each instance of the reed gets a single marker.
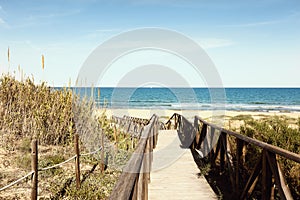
(43, 62)
(36, 111)
(8, 55)
(29, 111)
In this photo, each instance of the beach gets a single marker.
(147, 113)
(204, 114)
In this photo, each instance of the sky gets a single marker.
(251, 43)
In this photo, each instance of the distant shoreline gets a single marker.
(231, 99)
(147, 113)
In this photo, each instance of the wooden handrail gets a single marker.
(131, 125)
(267, 166)
(277, 150)
(133, 176)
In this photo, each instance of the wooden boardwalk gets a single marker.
(173, 176)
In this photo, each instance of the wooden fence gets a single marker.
(133, 182)
(35, 170)
(213, 143)
(130, 125)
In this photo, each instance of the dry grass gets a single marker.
(29, 111)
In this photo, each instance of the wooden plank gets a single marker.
(228, 159)
(283, 184)
(279, 179)
(239, 149)
(196, 134)
(134, 192)
(202, 136)
(217, 151)
(222, 153)
(266, 177)
(123, 189)
(252, 180)
(211, 145)
(179, 179)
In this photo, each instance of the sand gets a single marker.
(147, 113)
(221, 118)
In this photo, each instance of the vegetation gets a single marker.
(35, 111)
(29, 111)
(277, 131)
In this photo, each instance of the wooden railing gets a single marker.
(226, 150)
(133, 182)
(130, 125)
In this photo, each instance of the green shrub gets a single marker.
(278, 132)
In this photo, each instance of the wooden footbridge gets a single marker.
(164, 164)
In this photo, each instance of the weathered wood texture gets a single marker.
(179, 179)
(266, 169)
(77, 160)
(34, 166)
(133, 182)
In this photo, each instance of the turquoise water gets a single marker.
(244, 99)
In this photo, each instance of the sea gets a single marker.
(236, 99)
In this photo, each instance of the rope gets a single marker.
(47, 168)
(17, 181)
(125, 120)
(91, 153)
(57, 165)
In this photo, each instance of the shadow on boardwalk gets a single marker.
(218, 182)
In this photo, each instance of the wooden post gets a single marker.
(211, 145)
(145, 173)
(150, 155)
(132, 142)
(102, 152)
(77, 160)
(251, 183)
(34, 166)
(266, 176)
(175, 121)
(222, 152)
(169, 125)
(239, 149)
(116, 138)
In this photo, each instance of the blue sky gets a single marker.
(252, 43)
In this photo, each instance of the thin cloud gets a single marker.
(211, 43)
(2, 22)
(53, 15)
(2, 10)
(34, 20)
(254, 24)
(106, 30)
(101, 32)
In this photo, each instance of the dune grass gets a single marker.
(29, 111)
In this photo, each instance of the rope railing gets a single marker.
(91, 153)
(68, 160)
(132, 125)
(212, 142)
(16, 181)
(34, 172)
